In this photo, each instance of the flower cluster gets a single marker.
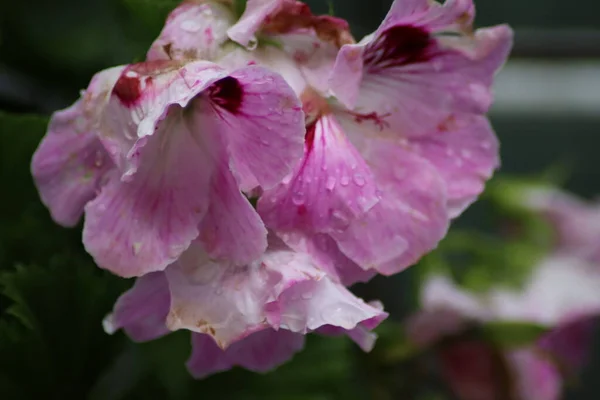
(562, 295)
(252, 168)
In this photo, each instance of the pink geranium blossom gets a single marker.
(157, 152)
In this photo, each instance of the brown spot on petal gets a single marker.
(447, 124)
(297, 15)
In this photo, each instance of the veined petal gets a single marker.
(178, 132)
(265, 133)
(144, 224)
(193, 31)
(70, 163)
(142, 310)
(231, 229)
(414, 78)
(465, 153)
(408, 221)
(260, 352)
(331, 187)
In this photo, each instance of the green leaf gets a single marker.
(51, 336)
(239, 6)
(511, 335)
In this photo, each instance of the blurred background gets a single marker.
(547, 116)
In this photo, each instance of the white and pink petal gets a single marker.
(193, 30)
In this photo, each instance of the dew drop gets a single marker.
(298, 198)
(359, 180)
(306, 295)
(339, 220)
(136, 247)
(191, 26)
(465, 153)
(99, 159)
(330, 184)
(344, 180)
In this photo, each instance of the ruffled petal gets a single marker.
(259, 352)
(465, 152)
(178, 133)
(313, 304)
(147, 97)
(70, 163)
(449, 16)
(193, 31)
(330, 188)
(255, 14)
(281, 290)
(361, 334)
(415, 79)
(408, 221)
(228, 302)
(142, 310)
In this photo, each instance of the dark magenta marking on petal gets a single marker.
(398, 46)
(227, 93)
(128, 89)
(309, 136)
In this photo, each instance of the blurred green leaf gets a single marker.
(51, 336)
(239, 6)
(511, 335)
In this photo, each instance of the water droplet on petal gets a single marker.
(191, 26)
(136, 247)
(344, 180)
(99, 159)
(330, 184)
(307, 295)
(340, 220)
(298, 198)
(466, 153)
(359, 180)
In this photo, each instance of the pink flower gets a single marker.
(253, 315)
(561, 294)
(156, 154)
(403, 149)
(576, 222)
